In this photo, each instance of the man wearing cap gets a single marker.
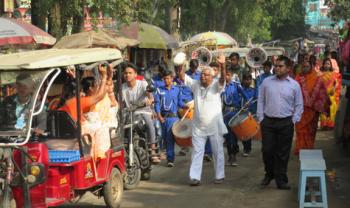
(208, 121)
(14, 108)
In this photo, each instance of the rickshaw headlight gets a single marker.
(35, 170)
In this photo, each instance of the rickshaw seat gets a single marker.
(61, 125)
(62, 131)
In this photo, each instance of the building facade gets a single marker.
(316, 14)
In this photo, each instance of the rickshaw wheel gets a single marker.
(113, 189)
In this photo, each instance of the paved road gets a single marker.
(168, 186)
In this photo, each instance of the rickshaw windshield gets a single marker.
(21, 93)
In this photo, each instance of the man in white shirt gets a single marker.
(134, 93)
(208, 122)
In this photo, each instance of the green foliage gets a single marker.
(250, 18)
(287, 18)
(262, 20)
(340, 10)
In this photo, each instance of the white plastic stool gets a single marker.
(312, 168)
(310, 154)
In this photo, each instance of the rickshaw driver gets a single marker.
(14, 107)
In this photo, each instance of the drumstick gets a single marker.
(184, 116)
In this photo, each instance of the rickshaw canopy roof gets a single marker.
(52, 58)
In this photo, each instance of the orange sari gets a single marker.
(316, 101)
(332, 82)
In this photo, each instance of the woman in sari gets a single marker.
(331, 80)
(315, 100)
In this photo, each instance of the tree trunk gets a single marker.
(78, 23)
(1, 8)
(78, 19)
(173, 22)
(38, 14)
(65, 16)
(54, 27)
(155, 10)
(226, 8)
(210, 16)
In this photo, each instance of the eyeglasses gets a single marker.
(279, 66)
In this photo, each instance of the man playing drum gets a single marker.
(208, 121)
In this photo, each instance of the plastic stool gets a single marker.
(310, 154)
(305, 154)
(312, 168)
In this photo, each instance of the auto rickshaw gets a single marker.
(34, 173)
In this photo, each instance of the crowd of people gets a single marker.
(287, 96)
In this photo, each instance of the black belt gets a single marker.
(277, 118)
(169, 115)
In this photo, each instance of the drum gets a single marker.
(189, 115)
(244, 126)
(182, 131)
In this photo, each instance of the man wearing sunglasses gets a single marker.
(280, 105)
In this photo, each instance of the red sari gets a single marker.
(316, 101)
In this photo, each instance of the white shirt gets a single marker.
(208, 119)
(136, 95)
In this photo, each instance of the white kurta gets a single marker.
(208, 119)
(208, 123)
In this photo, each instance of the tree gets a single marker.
(260, 19)
(287, 18)
(340, 9)
(63, 15)
(38, 8)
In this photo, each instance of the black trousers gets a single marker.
(277, 137)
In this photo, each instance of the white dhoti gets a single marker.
(207, 123)
(198, 143)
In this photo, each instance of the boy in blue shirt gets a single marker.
(252, 95)
(267, 66)
(167, 102)
(231, 99)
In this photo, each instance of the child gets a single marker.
(231, 99)
(251, 95)
(167, 102)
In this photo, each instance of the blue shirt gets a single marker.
(168, 100)
(186, 92)
(196, 75)
(251, 93)
(260, 79)
(280, 98)
(232, 95)
(158, 81)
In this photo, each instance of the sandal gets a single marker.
(155, 159)
(162, 156)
